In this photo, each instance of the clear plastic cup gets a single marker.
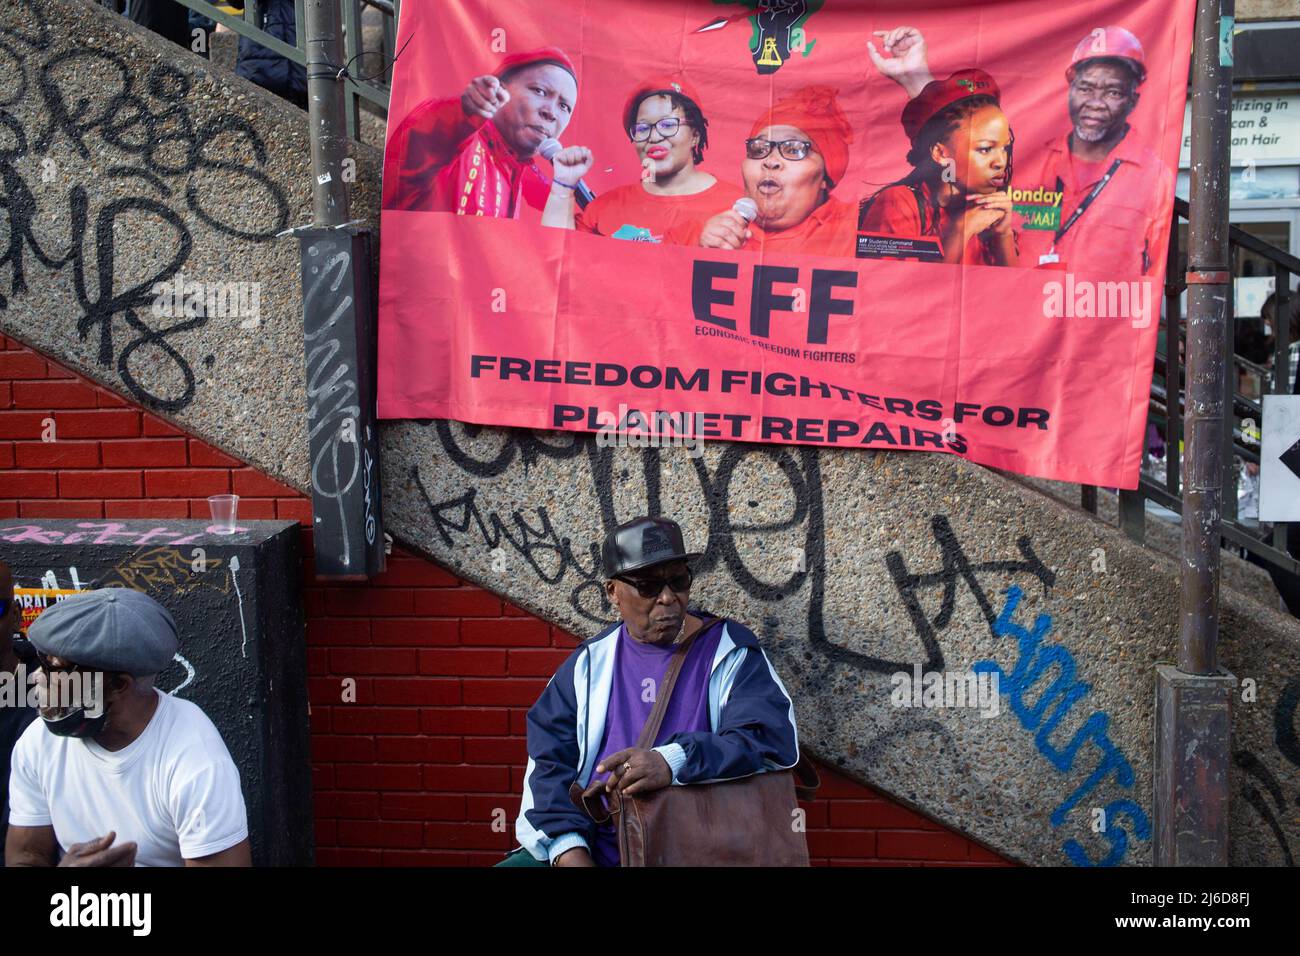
(224, 509)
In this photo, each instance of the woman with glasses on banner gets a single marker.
(669, 132)
(957, 194)
(796, 154)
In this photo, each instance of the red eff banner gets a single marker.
(922, 226)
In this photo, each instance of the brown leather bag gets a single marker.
(750, 821)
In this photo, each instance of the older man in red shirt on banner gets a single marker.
(475, 155)
(1116, 195)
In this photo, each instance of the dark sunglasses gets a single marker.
(30, 657)
(653, 587)
(26, 651)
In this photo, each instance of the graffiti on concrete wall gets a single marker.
(1259, 786)
(163, 168)
(1040, 677)
(793, 491)
(1034, 659)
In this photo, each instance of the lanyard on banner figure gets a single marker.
(1050, 255)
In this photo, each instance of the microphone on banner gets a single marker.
(582, 192)
(745, 208)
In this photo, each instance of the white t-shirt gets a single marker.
(173, 791)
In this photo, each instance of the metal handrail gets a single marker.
(1169, 367)
(1240, 448)
(374, 90)
(1236, 533)
(1242, 406)
(1240, 237)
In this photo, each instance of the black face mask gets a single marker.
(76, 723)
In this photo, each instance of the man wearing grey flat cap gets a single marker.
(728, 715)
(134, 777)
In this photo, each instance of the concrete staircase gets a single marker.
(852, 566)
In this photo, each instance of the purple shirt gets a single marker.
(632, 697)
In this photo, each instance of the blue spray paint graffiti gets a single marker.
(1034, 661)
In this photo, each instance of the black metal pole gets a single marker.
(323, 32)
(338, 327)
(1193, 728)
(1207, 315)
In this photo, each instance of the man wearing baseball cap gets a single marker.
(1112, 194)
(476, 155)
(728, 715)
(134, 777)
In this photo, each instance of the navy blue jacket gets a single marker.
(267, 68)
(750, 713)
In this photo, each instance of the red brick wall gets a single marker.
(432, 751)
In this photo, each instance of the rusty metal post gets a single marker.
(1193, 716)
(1207, 315)
(327, 125)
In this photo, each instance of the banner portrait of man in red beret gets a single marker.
(474, 155)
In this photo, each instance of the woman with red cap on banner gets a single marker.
(796, 154)
(957, 192)
(475, 155)
(666, 126)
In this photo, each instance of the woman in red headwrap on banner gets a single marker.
(958, 191)
(475, 155)
(664, 121)
(796, 153)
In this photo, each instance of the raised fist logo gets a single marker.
(777, 21)
(777, 29)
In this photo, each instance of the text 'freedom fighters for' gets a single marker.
(739, 382)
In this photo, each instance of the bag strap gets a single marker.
(600, 806)
(650, 731)
(806, 779)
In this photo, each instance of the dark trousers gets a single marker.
(521, 857)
